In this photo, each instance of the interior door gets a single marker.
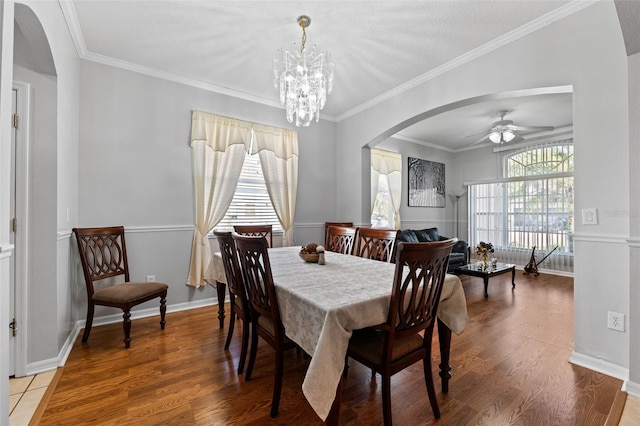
(12, 240)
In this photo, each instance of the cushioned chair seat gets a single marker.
(126, 292)
(266, 323)
(370, 343)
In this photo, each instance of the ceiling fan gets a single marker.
(505, 131)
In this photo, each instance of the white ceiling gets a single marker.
(379, 47)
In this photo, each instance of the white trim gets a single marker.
(599, 365)
(61, 359)
(600, 238)
(562, 12)
(545, 20)
(633, 242)
(21, 270)
(6, 252)
(423, 143)
(633, 389)
(71, 18)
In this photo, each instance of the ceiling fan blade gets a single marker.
(532, 128)
(481, 139)
(476, 134)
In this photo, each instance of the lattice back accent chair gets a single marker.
(103, 255)
(265, 313)
(374, 243)
(340, 239)
(326, 231)
(256, 231)
(237, 293)
(398, 343)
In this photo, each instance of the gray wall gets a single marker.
(135, 169)
(585, 51)
(122, 157)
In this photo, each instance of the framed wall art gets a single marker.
(426, 183)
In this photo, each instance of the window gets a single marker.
(531, 207)
(383, 215)
(386, 188)
(251, 204)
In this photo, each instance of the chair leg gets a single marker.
(126, 325)
(163, 311)
(254, 350)
(277, 382)
(386, 399)
(232, 321)
(431, 391)
(88, 323)
(245, 344)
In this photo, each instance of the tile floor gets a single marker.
(631, 412)
(25, 394)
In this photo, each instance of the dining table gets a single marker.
(321, 305)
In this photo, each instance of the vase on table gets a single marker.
(485, 260)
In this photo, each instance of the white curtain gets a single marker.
(219, 145)
(278, 152)
(390, 164)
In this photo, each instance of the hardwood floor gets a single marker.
(509, 367)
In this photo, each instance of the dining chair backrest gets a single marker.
(256, 272)
(256, 231)
(419, 276)
(326, 230)
(232, 266)
(340, 239)
(375, 243)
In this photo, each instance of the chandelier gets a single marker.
(304, 78)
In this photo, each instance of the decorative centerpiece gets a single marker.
(312, 253)
(483, 249)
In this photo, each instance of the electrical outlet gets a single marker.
(151, 277)
(615, 321)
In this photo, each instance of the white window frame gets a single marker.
(515, 221)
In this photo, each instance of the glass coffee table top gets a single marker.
(478, 270)
(489, 269)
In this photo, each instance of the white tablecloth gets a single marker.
(320, 306)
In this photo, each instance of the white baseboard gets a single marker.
(600, 366)
(61, 359)
(632, 389)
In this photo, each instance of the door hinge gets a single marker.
(14, 327)
(14, 225)
(15, 120)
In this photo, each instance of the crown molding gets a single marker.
(71, 18)
(545, 20)
(423, 143)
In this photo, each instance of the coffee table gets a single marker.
(474, 270)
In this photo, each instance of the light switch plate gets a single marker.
(589, 216)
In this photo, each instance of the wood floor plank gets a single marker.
(510, 366)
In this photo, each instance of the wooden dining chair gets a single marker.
(256, 231)
(398, 343)
(340, 239)
(237, 294)
(326, 230)
(375, 243)
(103, 254)
(265, 313)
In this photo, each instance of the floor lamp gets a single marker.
(457, 197)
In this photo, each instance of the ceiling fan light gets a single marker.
(494, 137)
(508, 135)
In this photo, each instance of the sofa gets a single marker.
(460, 253)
